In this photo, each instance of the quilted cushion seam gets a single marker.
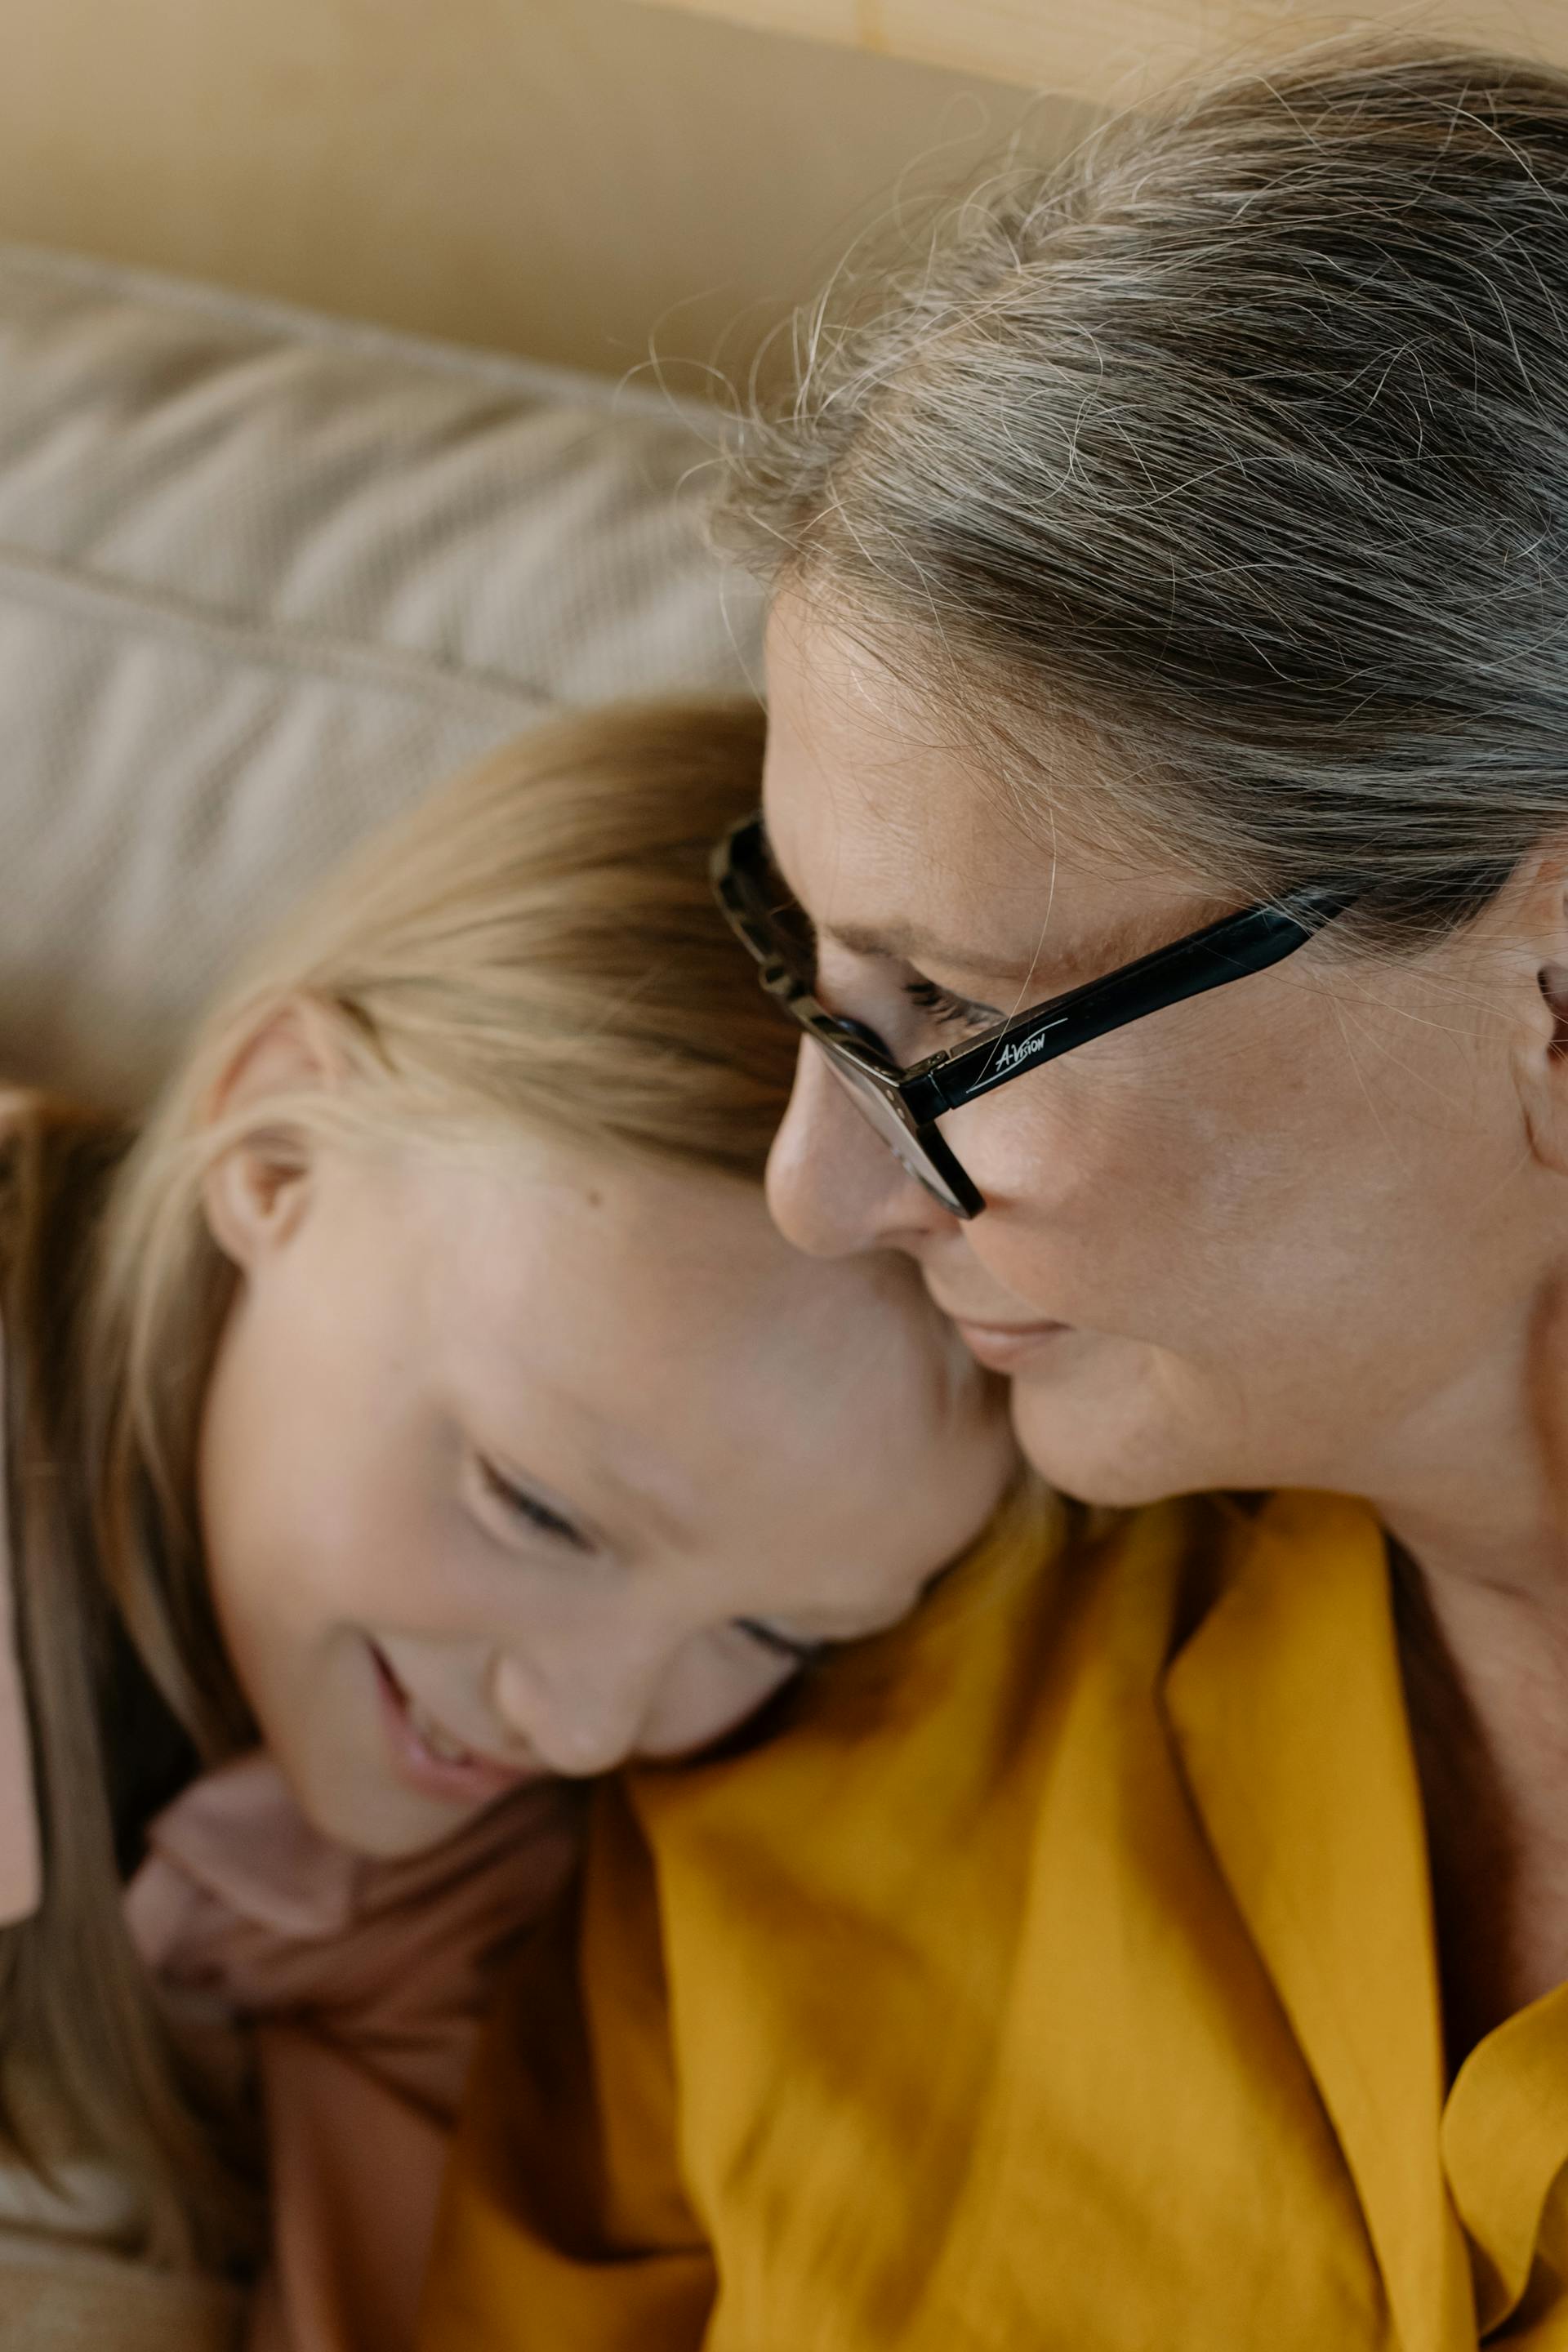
(25, 576)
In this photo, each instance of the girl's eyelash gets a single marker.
(941, 1005)
(784, 1645)
(527, 1506)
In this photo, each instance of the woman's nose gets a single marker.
(574, 1724)
(833, 1186)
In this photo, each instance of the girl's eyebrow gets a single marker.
(636, 1502)
(637, 1496)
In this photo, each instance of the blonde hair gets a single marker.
(536, 946)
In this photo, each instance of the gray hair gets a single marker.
(1239, 446)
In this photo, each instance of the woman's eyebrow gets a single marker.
(907, 943)
(1064, 966)
(898, 942)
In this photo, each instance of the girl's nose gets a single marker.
(833, 1186)
(576, 1724)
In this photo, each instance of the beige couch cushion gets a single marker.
(264, 577)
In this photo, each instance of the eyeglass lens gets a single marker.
(874, 1107)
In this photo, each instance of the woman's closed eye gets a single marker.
(531, 1510)
(940, 1004)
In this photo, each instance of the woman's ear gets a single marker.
(1543, 1035)
(256, 1192)
(1548, 1103)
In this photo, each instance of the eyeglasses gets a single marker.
(904, 1104)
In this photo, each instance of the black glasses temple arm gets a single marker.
(1227, 950)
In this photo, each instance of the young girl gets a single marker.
(419, 1411)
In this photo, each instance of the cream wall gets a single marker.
(559, 177)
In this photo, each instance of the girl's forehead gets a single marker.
(643, 1292)
(673, 1416)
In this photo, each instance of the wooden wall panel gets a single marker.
(1116, 50)
(574, 179)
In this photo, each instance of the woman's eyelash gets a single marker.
(782, 1645)
(941, 1005)
(528, 1507)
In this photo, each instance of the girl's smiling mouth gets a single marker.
(426, 1754)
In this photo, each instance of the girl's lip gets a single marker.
(466, 1780)
(1002, 1347)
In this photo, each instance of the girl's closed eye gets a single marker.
(522, 1504)
(782, 1645)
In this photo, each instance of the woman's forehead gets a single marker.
(861, 803)
(898, 845)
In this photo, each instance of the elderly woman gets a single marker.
(1166, 853)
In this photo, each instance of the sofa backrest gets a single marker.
(263, 579)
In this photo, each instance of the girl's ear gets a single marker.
(256, 1192)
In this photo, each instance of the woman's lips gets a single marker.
(1005, 1347)
(428, 1757)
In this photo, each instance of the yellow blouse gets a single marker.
(1063, 1980)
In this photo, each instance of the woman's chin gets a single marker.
(1104, 1434)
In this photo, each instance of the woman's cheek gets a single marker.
(1091, 1220)
(1060, 1161)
